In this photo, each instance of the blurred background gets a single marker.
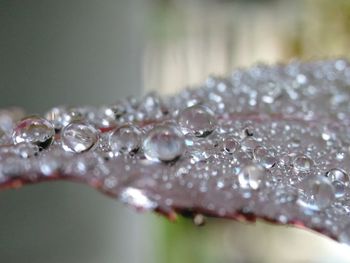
(98, 51)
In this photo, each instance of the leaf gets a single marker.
(266, 143)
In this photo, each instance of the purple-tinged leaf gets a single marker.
(265, 142)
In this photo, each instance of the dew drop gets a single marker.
(27, 150)
(302, 164)
(110, 182)
(340, 179)
(61, 116)
(56, 116)
(230, 145)
(286, 195)
(48, 165)
(164, 143)
(264, 158)
(197, 120)
(34, 130)
(79, 137)
(248, 144)
(251, 176)
(339, 189)
(317, 193)
(137, 198)
(336, 174)
(125, 139)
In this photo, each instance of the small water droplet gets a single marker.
(79, 137)
(220, 184)
(230, 145)
(197, 120)
(263, 156)
(61, 116)
(27, 150)
(125, 139)
(303, 164)
(34, 130)
(286, 195)
(137, 198)
(49, 164)
(247, 131)
(251, 176)
(248, 144)
(164, 143)
(110, 182)
(317, 193)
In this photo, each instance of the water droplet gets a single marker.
(247, 131)
(34, 130)
(220, 184)
(49, 164)
(263, 156)
(110, 182)
(27, 150)
(251, 176)
(336, 174)
(340, 179)
(137, 198)
(286, 195)
(248, 144)
(273, 92)
(317, 193)
(125, 139)
(302, 164)
(79, 137)
(101, 118)
(164, 143)
(61, 116)
(197, 120)
(230, 145)
(55, 115)
(339, 189)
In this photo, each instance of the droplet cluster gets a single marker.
(272, 141)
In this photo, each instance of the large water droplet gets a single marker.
(197, 120)
(164, 143)
(251, 176)
(302, 164)
(79, 137)
(34, 130)
(125, 139)
(317, 193)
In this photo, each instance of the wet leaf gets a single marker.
(266, 142)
